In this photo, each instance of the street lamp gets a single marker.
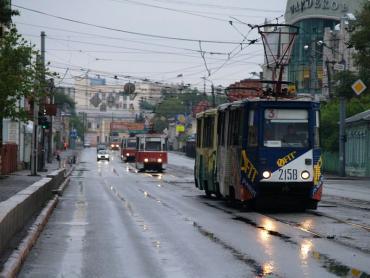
(313, 68)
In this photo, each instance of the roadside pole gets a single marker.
(43, 151)
(342, 137)
(50, 137)
(213, 96)
(34, 146)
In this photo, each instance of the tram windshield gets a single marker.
(286, 128)
(131, 143)
(153, 144)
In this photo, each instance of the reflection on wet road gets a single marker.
(115, 222)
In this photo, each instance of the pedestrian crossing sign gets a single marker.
(359, 87)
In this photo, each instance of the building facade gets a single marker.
(320, 48)
(100, 103)
(358, 145)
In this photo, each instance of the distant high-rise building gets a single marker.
(311, 63)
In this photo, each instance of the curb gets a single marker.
(14, 263)
(62, 187)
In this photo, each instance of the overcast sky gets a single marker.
(74, 48)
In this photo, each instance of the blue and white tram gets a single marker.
(268, 152)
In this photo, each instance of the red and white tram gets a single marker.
(151, 152)
(128, 149)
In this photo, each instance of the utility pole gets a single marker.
(50, 137)
(42, 162)
(342, 136)
(204, 85)
(213, 96)
(34, 147)
(83, 127)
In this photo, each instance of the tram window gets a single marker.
(317, 129)
(208, 132)
(286, 128)
(234, 128)
(221, 129)
(130, 143)
(153, 144)
(252, 130)
(199, 132)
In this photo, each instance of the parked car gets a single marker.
(102, 155)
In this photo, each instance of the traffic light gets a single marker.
(43, 122)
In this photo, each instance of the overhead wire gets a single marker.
(223, 7)
(231, 54)
(125, 31)
(128, 48)
(119, 38)
(169, 9)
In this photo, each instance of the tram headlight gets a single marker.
(159, 160)
(112, 146)
(146, 160)
(117, 146)
(305, 175)
(127, 154)
(266, 174)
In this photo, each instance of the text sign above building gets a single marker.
(335, 9)
(301, 6)
(359, 87)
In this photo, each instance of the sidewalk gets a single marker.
(328, 176)
(17, 181)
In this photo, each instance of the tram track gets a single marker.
(347, 203)
(290, 222)
(296, 225)
(240, 215)
(361, 226)
(315, 234)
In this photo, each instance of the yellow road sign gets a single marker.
(359, 87)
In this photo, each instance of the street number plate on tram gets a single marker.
(288, 174)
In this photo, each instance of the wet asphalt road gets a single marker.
(114, 222)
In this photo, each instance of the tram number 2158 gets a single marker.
(288, 174)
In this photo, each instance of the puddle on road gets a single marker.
(73, 258)
(259, 270)
(82, 170)
(270, 232)
(325, 261)
(125, 203)
(219, 208)
(148, 195)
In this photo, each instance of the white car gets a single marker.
(102, 155)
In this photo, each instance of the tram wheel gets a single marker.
(231, 198)
(218, 193)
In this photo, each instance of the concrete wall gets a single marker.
(18, 210)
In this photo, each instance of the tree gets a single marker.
(175, 103)
(360, 37)
(21, 75)
(6, 13)
(360, 40)
(65, 102)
